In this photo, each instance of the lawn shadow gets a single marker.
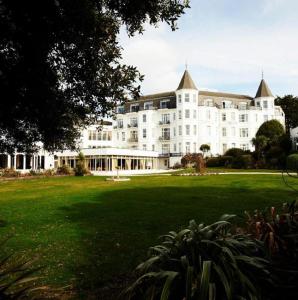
(117, 227)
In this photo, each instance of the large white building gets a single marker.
(178, 122)
(155, 131)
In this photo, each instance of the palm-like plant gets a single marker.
(203, 262)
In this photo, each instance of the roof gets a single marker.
(186, 82)
(227, 95)
(263, 90)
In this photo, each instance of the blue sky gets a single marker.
(226, 44)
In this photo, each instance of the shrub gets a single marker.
(177, 166)
(9, 173)
(271, 129)
(220, 161)
(292, 162)
(64, 170)
(234, 152)
(48, 172)
(80, 169)
(203, 262)
(242, 162)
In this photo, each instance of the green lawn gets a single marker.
(89, 232)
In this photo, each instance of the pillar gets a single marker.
(24, 162)
(8, 161)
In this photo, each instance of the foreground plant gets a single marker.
(203, 262)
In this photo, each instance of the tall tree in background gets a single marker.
(289, 104)
(60, 65)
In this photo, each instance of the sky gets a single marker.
(226, 44)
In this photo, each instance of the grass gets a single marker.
(89, 233)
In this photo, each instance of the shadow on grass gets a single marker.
(117, 228)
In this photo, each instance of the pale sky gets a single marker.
(226, 44)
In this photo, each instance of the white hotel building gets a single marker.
(155, 131)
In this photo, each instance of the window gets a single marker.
(144, 147)
(233, 116)
(117, 136)
(165, 118)
(180, 130)
(179, 99)
(175, 148)
(243, 132)
(144, 133)
(194, 98)
(187, 129)
(233, 145)
(265, 118)
(194, 114)
(243, 118)
(133, 122)
(244, 147)
(134, 107)
(265, 104)
(119, 123)
(165, 133)
(194, 147)
(242, 105)
(224, 148)
(164, 104)
(123, 136)
(209, 102)
(224, 131)
(144, 118)
(208, 114)
(120, 110)
(148, 105)
(209, 130)
(224, 117)
(195, 129)
(187, 114)
(187, 147)
(180, 147)
(186, 97)
(174, 116)
(256, 117)
(258, 104)
(153, 147)
(174, 131)
(233, 131)
(165, 148)
(180, 114)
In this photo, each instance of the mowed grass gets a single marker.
(88, 232)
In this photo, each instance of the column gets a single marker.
(24, 162)
(15, 161)
(8, 161)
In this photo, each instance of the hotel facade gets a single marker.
(155, 131)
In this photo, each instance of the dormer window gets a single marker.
(209, 102)
(120, 109)
(134, 107)
(148, 105)
(164, 103)
(243, 105)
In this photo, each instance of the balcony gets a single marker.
(133, 139)
(118, 126)
(165, 137)
(164, 122)
(133, 125)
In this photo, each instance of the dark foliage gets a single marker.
(234, 152)
(289, 104)
(292, 162)
(271, 129)
(60, 65)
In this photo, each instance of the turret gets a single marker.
(264, 97)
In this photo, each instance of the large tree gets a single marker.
(289, 104)
(60, 65)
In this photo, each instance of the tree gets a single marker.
(205, 148)
(260, 142)
(289, 104)
(60, 65)
(271, 129)
(80, 169)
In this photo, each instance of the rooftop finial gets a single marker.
(186, 65)
(262, 74)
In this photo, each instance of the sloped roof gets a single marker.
(221, 94)
(186, 82)
(263, 90)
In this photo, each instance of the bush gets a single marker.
(220, 161)
(80, 169)
(9, 173)
(203, 262)
(64, 170)
(271, 129)
(177, 166)
(234, 152)
(242, 162)
(292, 162)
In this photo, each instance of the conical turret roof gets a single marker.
(263, 90)
(186, 82)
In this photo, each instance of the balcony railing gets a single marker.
(133, 139)
(164, 122)
(118, 126)
(165, 137)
